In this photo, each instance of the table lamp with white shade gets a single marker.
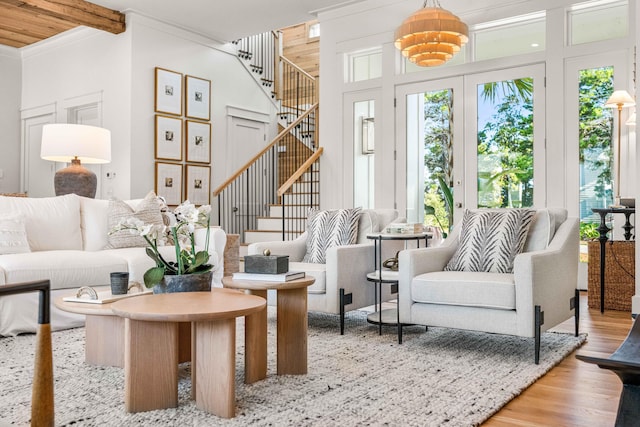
(73, 143)
(619, 99)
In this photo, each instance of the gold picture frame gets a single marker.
(198, 142)
(198, 98)
(168, 138)
(169, 182)
(197, 182)
(168, 92)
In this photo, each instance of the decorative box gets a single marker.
(266, 264)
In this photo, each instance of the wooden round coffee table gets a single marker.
(104, 331)
(292, 321)
(151, 347)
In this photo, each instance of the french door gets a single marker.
(471, 141)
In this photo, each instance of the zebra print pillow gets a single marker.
(490, 240)
(327, 229)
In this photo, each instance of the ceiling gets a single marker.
(24, 22)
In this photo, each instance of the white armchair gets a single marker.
(539, 294)
(341, 284)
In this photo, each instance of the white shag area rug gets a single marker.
(440, 377)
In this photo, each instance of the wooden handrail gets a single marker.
(247, 165)
(300, 70)
(301, 170)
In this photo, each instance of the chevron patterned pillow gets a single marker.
(327, 229)
(490, 240)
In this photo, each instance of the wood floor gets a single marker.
(574, 393)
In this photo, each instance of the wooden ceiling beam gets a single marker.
(75, 12)
(82, 13)
(13, 39)
(18, 20)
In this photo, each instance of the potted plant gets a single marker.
(191, 270)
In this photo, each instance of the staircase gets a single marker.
(302, 196)
(269, 197)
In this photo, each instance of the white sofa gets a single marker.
(341, 283)
(539, 294)
(66, 237)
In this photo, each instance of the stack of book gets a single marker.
(268, 268)
(401, 228)
(270, 277)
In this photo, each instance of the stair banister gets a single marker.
(301, 171)
(275, 140)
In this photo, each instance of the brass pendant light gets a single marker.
(431, 35)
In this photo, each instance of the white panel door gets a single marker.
(247, 138)
(37, 177)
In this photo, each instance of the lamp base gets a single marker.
(75, 179)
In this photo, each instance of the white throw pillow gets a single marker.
(94, 214)
(540, 231)
(13, 235)
(327, 229)
(148, 211)
(490, 240)
(52, 223)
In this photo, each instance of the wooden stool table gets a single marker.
(151, 347)
(291, 320)
(104, 332)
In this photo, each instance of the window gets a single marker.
(505, 143)
(597, 20)
(595, 133)
(508, 37)
(313, 30)
(364, 65)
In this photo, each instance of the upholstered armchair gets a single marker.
(341, 284)
(537, 294)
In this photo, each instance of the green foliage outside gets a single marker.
(506, 142)
(596, 127)
(588, 231)
(505, 146)
(438, 159)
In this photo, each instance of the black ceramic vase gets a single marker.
(184, 283)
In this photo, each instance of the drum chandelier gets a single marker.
(431, 35)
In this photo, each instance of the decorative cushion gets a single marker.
(477, 289)
(490, 240)
(368, 223)
(148, 211)
(327, 229)
(94, 223)
(13, 235)
(51, 222)
(540, 232)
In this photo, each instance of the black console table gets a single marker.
(603, 229)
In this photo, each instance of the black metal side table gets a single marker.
(385, 275)
(603, 229)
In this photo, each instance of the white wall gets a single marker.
(121, 68)
(78, 63)
(156, 45)
(10, 83)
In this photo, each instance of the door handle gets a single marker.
(458, 205)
